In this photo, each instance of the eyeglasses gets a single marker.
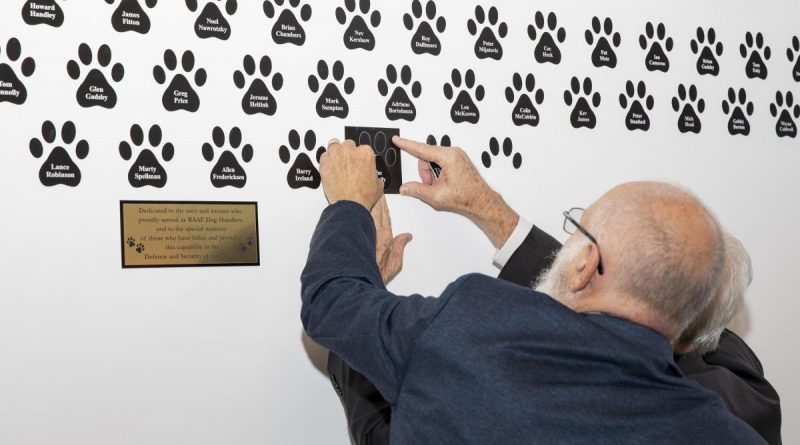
(571, 218)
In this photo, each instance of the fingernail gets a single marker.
(333, 141)
(404, 190)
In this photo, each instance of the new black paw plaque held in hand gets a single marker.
(387, 156)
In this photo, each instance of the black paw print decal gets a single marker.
(146, 170)
(140, 248)
(655, 38)
(547, 50)
(331, 102)
(303, 172)
(227, 172)
(11, 87)
(756, 52)
(487, 45)
(358, 34)
(287, 28)
(130, 16)
(487, 157)
(42, 12)
(59, 167)
(685, 102)
(444, 142)
(707, 50)
(179, 95)
(787, 112)
(464, 108)
(95, 91)
(400, 105)
(739, 111)
(131, 242)
(258, 98)
(524, 96)
(582, 115)
(635, 100)
(604, 40)
(211, 23)
(425, 39)
(793, 53)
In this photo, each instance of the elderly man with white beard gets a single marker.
(491, 362)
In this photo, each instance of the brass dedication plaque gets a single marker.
(186, 234)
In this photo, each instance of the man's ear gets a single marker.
(583, 268)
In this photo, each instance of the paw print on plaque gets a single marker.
(130, 16)
(331, 102)
(400, 106)
(738, 108)
(179, 94)
(95, 91)
(487, 45)
(425, 39)
(146, 169)
(211, 22)
(707, 49)
(59, 168)
(464, 108)
(793, 54)
(489, 157)
(11, 87)
(685, 103)
(583, 101)
(637, 102)
(258, 98)
(227, 172)
(42, 12)
(287, 28)
(525, 96)
(786, 112)
(604, 40)
(358, 34)
(756, 52)
(303, 172)
(657, 44)
(541, 33)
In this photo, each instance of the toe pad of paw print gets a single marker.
(387, 156)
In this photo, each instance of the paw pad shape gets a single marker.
(400, 105)
(42, 12)
(487, 45)
(179, 94)
(635, 100)
(757, 53)
(95, 91)
(11, 87)
(655, 38)
(547, 50)
(524, 96)
(358, 34)
(685, 103)
(211, 23)
(787, 112)
(488, 157)
(59, 168)
(707, 49)
(227, 172)
(258, 98)
(331, 102)
(146, 170)
(738, 111)
(387, 159)
(287, 28)
(464, 108)
(584, 102)
(303, 172)
(130, 16)
(425, 39)
(793, 53)
(604, 39)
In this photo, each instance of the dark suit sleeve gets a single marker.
(535, 255)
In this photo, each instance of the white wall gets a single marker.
(93, 354)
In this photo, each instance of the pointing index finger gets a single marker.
(419, 150)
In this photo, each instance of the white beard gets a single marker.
(552, 282)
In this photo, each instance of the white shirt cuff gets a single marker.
(516, 239)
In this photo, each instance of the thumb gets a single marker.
(399, 246)
(423, 192)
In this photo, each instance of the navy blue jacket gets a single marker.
(492, 362)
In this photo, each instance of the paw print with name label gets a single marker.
(582, 115)
(95, 91)
(146, 170)
(756, 52)
(331, 102)
(258, 98)
(227, 172)
(42, 12)
(524, 95)
(707, 49)
(179, 94)
(287, 28)
(685, 103)
(739, 111)
(303, 172)
(787, 112)
(793, 54)
(464, 108)
(604, 40)
(487, 45)
(547, 50)
(130, 16)
(635, 100)
(11, 87)
(59, 168)
(211, 22)
(400, 105)
(488, 157)
(655, 38)
(425, 39)
(358, 34)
